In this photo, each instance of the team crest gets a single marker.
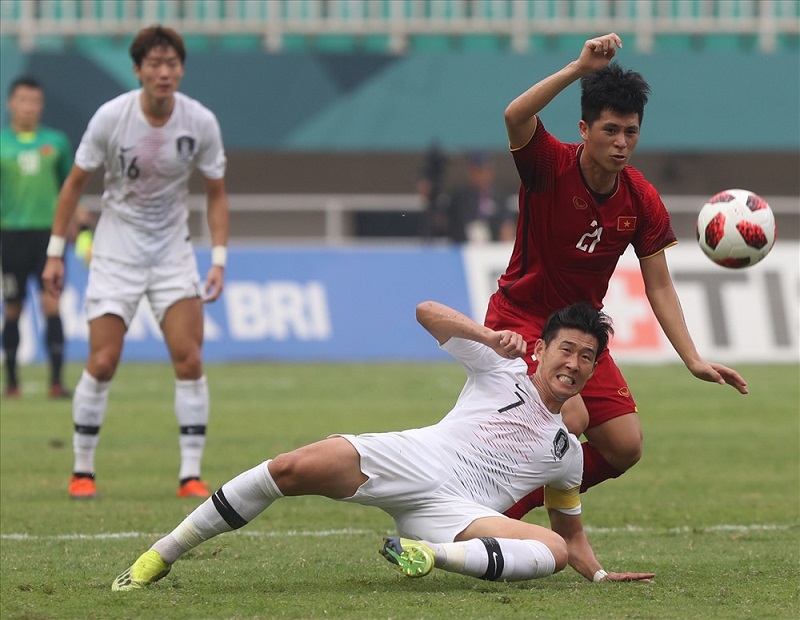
(560, 444)
(579, 203)
(185, 146)
(626, 222)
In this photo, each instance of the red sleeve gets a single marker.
(540, 159)
(656, 234)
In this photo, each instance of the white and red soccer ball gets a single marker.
(736, 228)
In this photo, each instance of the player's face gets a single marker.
(160, 73)
(25, 107)
(565, 365)
(610, 141)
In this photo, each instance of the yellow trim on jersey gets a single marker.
(661, 250)
(528, 141)
(562, 499)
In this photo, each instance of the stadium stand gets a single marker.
(399, 26)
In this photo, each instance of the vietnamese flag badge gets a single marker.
(626, 222)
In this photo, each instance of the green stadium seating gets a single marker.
(428, 25)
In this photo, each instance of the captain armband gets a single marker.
(565, 500)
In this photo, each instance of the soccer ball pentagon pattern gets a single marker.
(736, 228)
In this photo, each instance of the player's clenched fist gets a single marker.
(510, 344)
(598, 52)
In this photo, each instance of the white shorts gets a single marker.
(418, 498)
(117, 288)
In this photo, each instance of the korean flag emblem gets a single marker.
(185, 146)
(560, 444)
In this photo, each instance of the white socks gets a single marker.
(191, 410)
(247, 495)
(237, 503)
(88, 411)
(495, 559)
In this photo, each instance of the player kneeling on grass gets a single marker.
(446, 485)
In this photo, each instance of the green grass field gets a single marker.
(713, 508)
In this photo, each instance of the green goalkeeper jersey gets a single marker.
(33, 165)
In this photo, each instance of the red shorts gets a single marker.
(606, 394)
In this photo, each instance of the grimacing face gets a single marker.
(567, 363)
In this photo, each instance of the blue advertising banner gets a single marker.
(357, 304)
(293, 303)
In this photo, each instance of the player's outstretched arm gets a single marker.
(581, 555)
(666, 306)
(444, 323)
(520, 115)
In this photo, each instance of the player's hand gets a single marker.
(53, 275)
(510, 344)
(717, 373)
(215, 282)
(597, 53)
(645, 577)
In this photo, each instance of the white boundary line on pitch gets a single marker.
(685, 529)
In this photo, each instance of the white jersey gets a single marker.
(147, 170)
(497, 444)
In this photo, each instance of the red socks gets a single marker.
(595, 468)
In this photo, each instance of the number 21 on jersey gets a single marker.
(590, 239)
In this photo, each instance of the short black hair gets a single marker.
(583, 317)
(613, 88)
(24, 80)
(156, 36)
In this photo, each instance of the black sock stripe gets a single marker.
(495, 568)
(85, 429)
(193, 429)
(226, 511)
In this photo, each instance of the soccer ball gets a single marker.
(736, 228)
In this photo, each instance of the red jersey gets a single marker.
(567, 245)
